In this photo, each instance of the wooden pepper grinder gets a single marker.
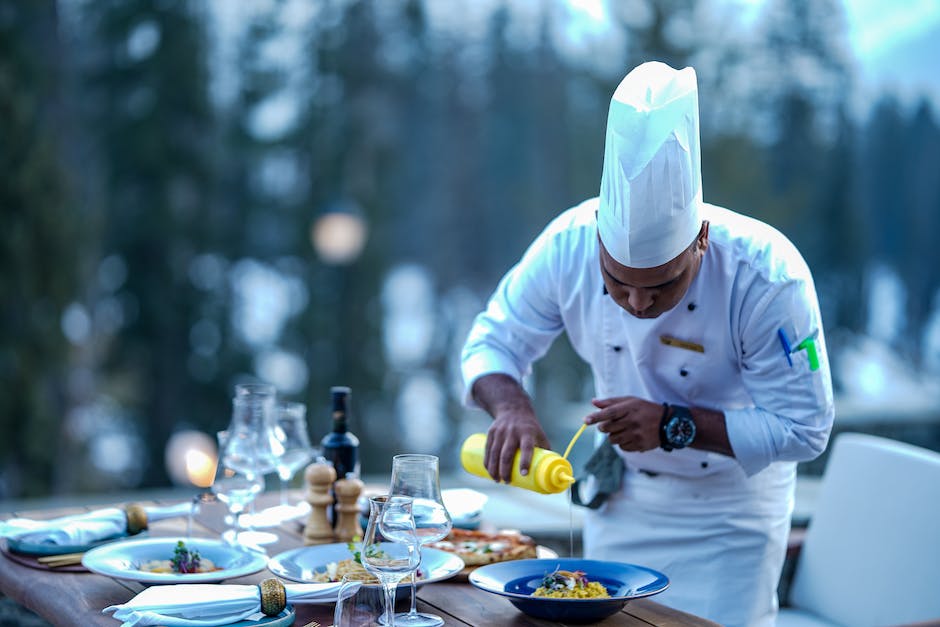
(320, 477)
(347, 508)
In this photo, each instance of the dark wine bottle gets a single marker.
(341, 446)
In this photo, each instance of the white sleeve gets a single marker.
(521, 320)
(794, 408)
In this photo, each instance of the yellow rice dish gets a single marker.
(564, 584)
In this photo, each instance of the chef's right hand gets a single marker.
(513, 429)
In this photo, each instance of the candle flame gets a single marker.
(200, 467)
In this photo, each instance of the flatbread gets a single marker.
(478, 548)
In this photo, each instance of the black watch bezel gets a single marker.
(677, 428)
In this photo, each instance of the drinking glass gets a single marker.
(254, 411)
(358, 604)
(253, 421)
(291, 433)
(418, 477)
(291, 453)
(390, 546)
(236, 483)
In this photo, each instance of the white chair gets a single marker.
(871, 555)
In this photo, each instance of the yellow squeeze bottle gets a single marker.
(549, 472)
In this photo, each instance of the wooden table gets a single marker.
(77, 598)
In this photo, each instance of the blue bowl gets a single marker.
(517, 580)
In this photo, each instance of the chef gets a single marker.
(702, 330)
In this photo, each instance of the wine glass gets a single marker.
(255, 411)
(250, 446)
(418, 477)
(235, 483)
(291, 433)
(292, 452)
(390, 547)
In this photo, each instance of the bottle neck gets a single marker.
(339, 423)
(340, 408)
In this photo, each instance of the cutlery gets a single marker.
(63, 559)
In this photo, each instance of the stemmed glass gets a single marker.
(251, 440)
(390, 547)
(236, 483)
(418, 477)
(290, 431)
(292, 452)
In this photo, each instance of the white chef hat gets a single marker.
(651, 187)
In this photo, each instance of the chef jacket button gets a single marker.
(616, 349)
(704, 464)
(691, 306)
(684, 372)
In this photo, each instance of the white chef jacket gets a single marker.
(752, 284)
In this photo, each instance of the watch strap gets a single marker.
(663, 440)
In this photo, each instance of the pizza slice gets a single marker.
(477, 548)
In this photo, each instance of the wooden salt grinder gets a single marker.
(347, 509)
(320, 477)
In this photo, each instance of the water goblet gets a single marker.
(252, 429)
(254, 410)
(292, 451)
(295, 451)
(418, 477)
(235, 483)
(390, 546)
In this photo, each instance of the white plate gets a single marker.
(301, 564)
(122, 560)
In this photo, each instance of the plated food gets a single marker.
(351, 566)
(565, 584)
(478, 548)
(304, 564)
(520, 581)
(185, 561)
(142, 560)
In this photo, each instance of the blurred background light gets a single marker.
(339, 237)
(190, 458)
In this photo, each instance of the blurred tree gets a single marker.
(149, 114)
(919, 191)
(261, 190)
(41, 246)
(798, 110)
(349, 134)
(662, 30)
(842, 237)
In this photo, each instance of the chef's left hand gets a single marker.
(631, 423)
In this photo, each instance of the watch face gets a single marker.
(680, 431)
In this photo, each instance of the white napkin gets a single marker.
(82, 528)
(205, 605)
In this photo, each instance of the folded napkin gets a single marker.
(82, 528)
(205, 605)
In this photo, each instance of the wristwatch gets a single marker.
(676, 428)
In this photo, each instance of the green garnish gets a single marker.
(372, 551)
(184, 561)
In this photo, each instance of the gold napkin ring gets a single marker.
(136, 519)
(273, 596)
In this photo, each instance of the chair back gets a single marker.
(871, 555)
